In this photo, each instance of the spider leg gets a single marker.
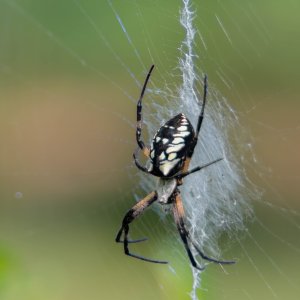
(221, 262)
(178, 212)
(133, 213)
(139, 125)
(201, 116)
(196, 169)
(129, 241)
(199, 123)
(139, 166)
(179, 219)
(130, 216)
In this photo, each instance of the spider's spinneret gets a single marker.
(170, 146)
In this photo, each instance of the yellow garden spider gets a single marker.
(169, 156)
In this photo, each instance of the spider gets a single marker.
(169, 157)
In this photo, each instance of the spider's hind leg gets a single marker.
(201, 116)
(137, 163)
(196, 169)
(139, 120)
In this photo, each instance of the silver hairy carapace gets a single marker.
(164, 189)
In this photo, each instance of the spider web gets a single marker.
(243, 207)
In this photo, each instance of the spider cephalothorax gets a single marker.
(169, 157)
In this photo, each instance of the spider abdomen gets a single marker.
(170, 146)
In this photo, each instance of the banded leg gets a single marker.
(221, 262)
(201, 116)
(137, 163)
(178, 213)
(179, 219)
(130, 216)
(139, 124)
(196, 169)
(199, 123)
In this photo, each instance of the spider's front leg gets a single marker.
(130, 216)
(178, 212)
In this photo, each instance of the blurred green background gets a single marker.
(67, 110)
